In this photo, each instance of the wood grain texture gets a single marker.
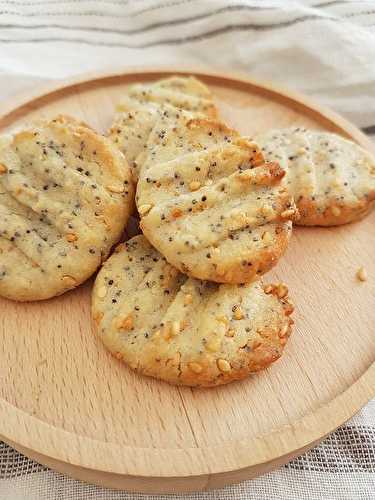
(66, 402)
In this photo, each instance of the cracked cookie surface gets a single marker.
(331, 179)
(145, 103)
(210, 203)
(65, 197)
(182, 330)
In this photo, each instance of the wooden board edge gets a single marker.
(301, 434)
(350, 131)
(159, 485)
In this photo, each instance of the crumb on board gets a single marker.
(361, 274)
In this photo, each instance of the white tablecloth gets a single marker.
(325, 49)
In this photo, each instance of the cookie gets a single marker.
(332, 179)
(182, 330)
(144, 104)
(210, 204)
(182, 92)
(66, 195)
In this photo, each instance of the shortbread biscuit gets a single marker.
(144, 104)
(131, 130)
(182, 92)
(186, 331)
(210, 204)
(66, 194)
(332, 179)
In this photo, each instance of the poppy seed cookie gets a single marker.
(66, 195)
(332, 179)
(144, 104)
(186, 93)
(186, 331)
(210, 204)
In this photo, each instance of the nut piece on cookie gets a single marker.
(332, 179)
(145, 103)
(58, 218)
(215, 209)
(182, 330)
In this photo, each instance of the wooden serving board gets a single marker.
(67, 403)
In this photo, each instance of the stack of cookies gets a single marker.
(184, 301)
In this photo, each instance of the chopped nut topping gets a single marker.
(71, 237)
(144, 209)
(288, 308)
(238, 314)
(223, 319)
(69, 280)
(336, 211)
(115, 189)
(267, 237)
(3, 169)
(195, 367)
(176, 212)
(268, 289)
(194, 185)
(223, 365)
(230, 333)
(125, 323)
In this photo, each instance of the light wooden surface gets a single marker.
(66, 402)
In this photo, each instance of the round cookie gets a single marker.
(332, 179)
(144, 104)
(210, 204)
(186, 331)
(66, 194)
(132, 129)
(186, 93)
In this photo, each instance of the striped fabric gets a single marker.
(325, 49)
